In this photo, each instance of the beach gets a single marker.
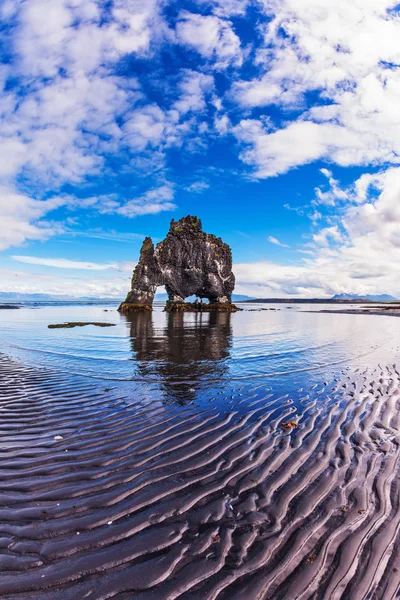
(170, 485)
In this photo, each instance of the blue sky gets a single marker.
(277, 123)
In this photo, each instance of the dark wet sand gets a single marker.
(139, 503)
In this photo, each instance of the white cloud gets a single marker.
(20, 218)
(101, 286)
(101, 234)
(197, 187)
(301, 142)
(154, 130)
(64, 263)
(274, 240)
(145, 127)
(194, 87)
(257, 93)
(211, 36)
(150, 203)
(345, 54)
(329, 197)
(227, 8)
(222, 124)
(68, 108)
(58, 130)
(327, 234)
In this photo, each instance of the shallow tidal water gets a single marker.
(185, 355)
(199, 456)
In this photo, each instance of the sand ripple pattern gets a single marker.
(162, 502)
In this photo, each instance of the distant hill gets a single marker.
(339, 299)
(366, 298)
(17, 297)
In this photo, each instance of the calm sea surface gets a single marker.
(182, 357)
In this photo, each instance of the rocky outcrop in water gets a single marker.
(187, 262)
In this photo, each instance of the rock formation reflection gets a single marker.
(187, 349)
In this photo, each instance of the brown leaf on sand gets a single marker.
(216, 539)
(344, 509)
(311, 557)
(361, 511)
(289, 425)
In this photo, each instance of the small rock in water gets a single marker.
(58, 437)
(72, 324)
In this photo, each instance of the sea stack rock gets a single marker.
(187, 262)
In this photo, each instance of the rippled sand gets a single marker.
(104, 495)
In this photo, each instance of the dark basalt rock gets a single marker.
(187, 262)
(200, 307)
(72, 324)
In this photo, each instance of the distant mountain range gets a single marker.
(338, 299)
(16, 297)
(367, 297)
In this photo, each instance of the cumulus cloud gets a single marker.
(150, 203)
(72, 98)
(62, 102)
(346, 54)
(69, 106)
(212, 36)
(65, 107)
(334, 192)
(20, 218)
(327, 234)
(194, 88)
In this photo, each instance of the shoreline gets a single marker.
(387, 312)
(277, 497)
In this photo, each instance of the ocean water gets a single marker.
(186, 357)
